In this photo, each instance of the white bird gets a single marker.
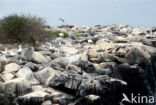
(61, 34)
(90, 41)
(12, 53)
(4, 52)
(51, 47)
(19, 49)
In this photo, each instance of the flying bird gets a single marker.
(62, 20)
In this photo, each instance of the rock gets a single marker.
(38, 57)
(12, 67)
(7, 76)
(48, 102)
(37, 87)
(92, 70)
(18, 86)
(44, 74)
(73, 68)
(1, 68)
(58, 97)
(65, 80)
(6, 98)
(32, 66)
(37, 97)
(69, 50)
(92, 53)
(137, 54)
(27, 74)
(27, 54)
(100, 85)
(89, 100)
(46, 53)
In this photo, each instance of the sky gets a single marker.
(137, 13)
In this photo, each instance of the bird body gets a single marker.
(19, 49)
(62, 20)
(5, 51)
(90, 41)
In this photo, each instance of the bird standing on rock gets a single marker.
(5, 51)
(19, 49)
(90, 41)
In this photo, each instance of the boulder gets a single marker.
(7, 76)
(37, 97)
(101, 85)
(37, 88)
(58, 97)
(38, 57)
(18, 86)
(69, 50)
(48, 102)
(44, 74)
(137, 54)
(32, 66)
(27, 74)
(11, 67)
(1, 68)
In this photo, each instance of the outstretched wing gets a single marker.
(61, 20)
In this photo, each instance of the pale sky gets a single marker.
(138, 13)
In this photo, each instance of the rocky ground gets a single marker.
(95, 69)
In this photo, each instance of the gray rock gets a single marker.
(37, 97)
(27, 74)
(18, 86)
(32, 66)
(38, 58)
(1, 68)
(44, 74)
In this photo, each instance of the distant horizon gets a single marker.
(135, 13)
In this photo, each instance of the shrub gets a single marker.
(22, 28)
(58, 32)
(79, 35)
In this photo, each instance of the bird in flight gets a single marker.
(62, 20)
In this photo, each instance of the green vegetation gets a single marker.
(56, 34)
(22, 28)
(79, 35)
